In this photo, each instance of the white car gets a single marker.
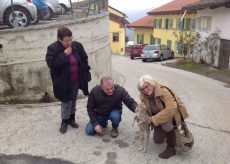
(65, 6)
(54, 7)
(18, 14)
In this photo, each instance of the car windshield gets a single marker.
(150, 48)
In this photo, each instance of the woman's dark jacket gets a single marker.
(59, 65)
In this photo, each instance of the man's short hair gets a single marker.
(105, 78)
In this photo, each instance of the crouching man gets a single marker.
(105, 103)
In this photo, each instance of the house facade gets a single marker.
(143, 30)
(213, 44)
(117, 25)
(167, 21)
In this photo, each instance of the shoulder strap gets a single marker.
(176, 103)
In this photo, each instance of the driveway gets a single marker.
(33, 129)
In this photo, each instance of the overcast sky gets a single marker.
(136, 5)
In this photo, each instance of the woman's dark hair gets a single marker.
(62, 32)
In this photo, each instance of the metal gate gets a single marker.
(224, 54)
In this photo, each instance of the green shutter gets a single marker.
(158, 41)
(151, 39)
(179, 25)
(137, 38)
(166, 23)
(169, 44)
(160, 23)
(187, 25)
(143, 38)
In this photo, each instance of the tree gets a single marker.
(187, 39)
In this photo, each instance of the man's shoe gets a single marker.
(72, 122)
(64, 126)
(114, 133)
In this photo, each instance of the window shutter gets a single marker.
(187, 27)
(166, 23)
(160, 23)
(199, 23)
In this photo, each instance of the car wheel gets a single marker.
(131, 57)
(144, 60)
(63, 9)
(161, 57)
(172, 56)
(20, 17)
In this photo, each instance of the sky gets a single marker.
(128, 6)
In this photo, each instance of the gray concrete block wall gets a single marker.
(24, 75)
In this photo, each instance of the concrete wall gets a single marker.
(24, 75)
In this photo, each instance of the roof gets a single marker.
(145, 22)
(117, 11)
(202, 4)
(118, 19)
(172, 7)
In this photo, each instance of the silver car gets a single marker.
(157, 52)
(18, 14)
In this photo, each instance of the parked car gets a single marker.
(65, 6)
(54, 7)
(136, 50)
(19, 14)
(157, 51)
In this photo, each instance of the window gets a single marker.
(157, 41)
(140, 38)
(204, 23)
(169, 44)
(193, 24)
(168, 23)
(158, 23)
(115, 37)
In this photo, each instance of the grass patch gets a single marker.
(203, 69)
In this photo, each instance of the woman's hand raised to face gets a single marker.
(68, 51)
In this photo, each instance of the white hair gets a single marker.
(146, 79)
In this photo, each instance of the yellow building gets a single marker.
(117, 25)
(167, 19)
(143, 30)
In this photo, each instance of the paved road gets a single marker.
(33, 129)
(207, 101)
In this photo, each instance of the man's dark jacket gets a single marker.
(99, 103)
(59, 64)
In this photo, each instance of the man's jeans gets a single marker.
(114, 116)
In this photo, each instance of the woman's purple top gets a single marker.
(74, 73)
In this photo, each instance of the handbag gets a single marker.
(184, 137)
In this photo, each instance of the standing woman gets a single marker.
(164, 108)
(69, 69)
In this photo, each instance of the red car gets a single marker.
(136, 50)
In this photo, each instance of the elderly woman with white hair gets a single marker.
(162, 107)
